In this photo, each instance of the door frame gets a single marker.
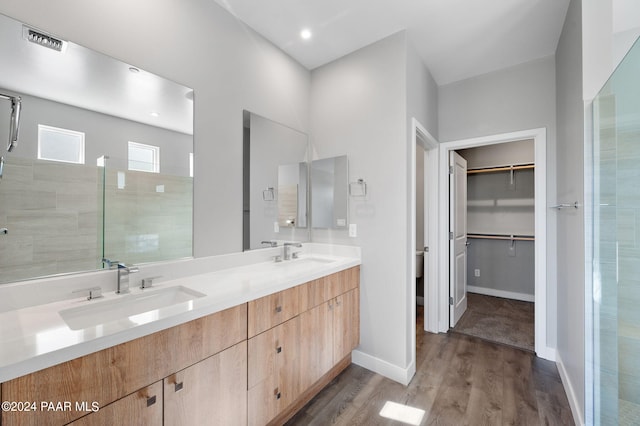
(441, 304)
(420, 135)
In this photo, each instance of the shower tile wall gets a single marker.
(50, 210)
(148, 216)
(616, 292)
(605, 236)
(628, 224)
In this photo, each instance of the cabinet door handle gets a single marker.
(276, 392)
(279, 349)
(278, 309)
(178, 386)
(151, 400)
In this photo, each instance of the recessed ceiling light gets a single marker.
(305, 34)
(155, 114)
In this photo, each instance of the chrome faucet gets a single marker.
(287, 250)
(123, 277)
(270, 243)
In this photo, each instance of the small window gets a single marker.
(63, 145)
(144, 158)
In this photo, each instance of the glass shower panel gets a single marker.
(616, 266)
(147, 216)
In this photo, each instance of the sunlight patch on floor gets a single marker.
(402, 413)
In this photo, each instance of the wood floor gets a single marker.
(460, 380)
(500, 320)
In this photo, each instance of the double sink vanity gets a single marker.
(233, 339)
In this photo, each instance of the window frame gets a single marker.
(43, 128)
(156, 156)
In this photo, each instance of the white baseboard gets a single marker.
(571, 395)
(501, 293)
(384, 368)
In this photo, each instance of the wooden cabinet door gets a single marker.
(346, 324)
(316, 343)
(140, 408)
(211, 392)
(272, 310)
(274, 371)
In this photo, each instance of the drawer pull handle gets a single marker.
(278, 309)
(179, 386)
(151, 401)
(279, 349)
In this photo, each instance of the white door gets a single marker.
(457, 236)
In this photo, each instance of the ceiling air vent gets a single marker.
(43, 39)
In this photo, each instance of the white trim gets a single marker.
(540, 141)
(384, 368)
(571, 394)
(418, 135)
(43, 128)
(501, 293)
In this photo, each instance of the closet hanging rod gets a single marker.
(501, 237)
(501, 169)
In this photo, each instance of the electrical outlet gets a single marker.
(476, 272)
(353, 230)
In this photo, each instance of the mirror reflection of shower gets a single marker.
(14, 121)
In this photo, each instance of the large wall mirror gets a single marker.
(275, 182)
(103, 163)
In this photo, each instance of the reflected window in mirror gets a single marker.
(64, 145)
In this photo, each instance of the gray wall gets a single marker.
(516, 98)
(360, 107)
(104, 135)
(199, 45)
(570, 187)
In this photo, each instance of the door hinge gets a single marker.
(426, 249)
(451, 301)
(451, 235)
(450, 170)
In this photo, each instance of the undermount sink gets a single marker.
(306, 261)
(135, 308)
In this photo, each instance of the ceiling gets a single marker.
(90, 80)
(456, 39)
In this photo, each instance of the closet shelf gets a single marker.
(501, 169)
(502, 237)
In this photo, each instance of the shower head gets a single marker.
(14, 123)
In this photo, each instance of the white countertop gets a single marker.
(36, 337)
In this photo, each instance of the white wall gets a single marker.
(570, 187)
(358, 108)
(361, 107)
(197, 44)
(609, 27)
(513, 99)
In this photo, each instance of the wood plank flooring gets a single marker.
(460, 380)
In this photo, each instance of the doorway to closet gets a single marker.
(492, 257)
(542, 236)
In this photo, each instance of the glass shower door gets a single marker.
(616, 257)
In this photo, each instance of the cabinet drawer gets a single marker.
(342, 281)
(140, 408)
(272, 310)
